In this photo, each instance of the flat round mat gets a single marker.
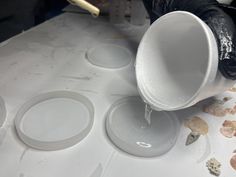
(54, 120)
(128, 129)
(109, 56)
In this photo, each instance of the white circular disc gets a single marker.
(2, 112)
(128, 129)
(55, 120)
(109, 56)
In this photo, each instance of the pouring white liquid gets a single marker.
(148, 113)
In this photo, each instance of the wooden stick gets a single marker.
(87, 6)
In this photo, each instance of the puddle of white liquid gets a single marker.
(149, 138)
(148, 113)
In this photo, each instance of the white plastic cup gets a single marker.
(177, 63)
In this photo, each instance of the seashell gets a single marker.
(213, 166)
(225, 99)
(197, 125)
(233, 89)
(233, 162)
(192, 137)
(227, 132)
(229, 123)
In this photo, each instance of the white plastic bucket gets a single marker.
(177, 63)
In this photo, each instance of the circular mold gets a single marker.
(109, 56)
(129, 131)
(55, 120)
(3, 112)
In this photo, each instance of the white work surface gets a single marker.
(51, 57)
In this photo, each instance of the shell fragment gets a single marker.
(213, 166)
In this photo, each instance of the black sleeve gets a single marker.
(211, 12)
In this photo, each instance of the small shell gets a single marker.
(213, 166)
(229, 129)
(233, 162)
(227, 132)
(228, 123)
(219, 112)
(227, 99)
(233, 89)
(192, 137)
(215, 109)
(231, 111)
(197, 125)
(228, 110)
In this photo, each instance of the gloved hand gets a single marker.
(211, 13)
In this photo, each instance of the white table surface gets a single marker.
(51, 57)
